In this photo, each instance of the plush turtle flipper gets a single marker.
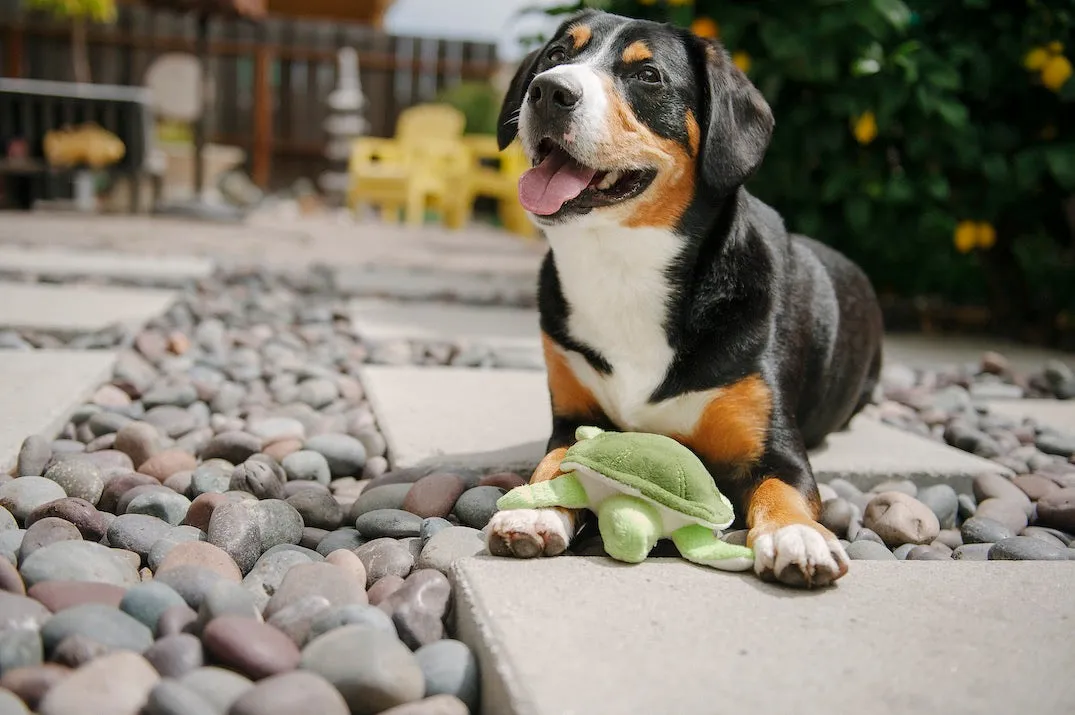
(629, 527)
(565, 490)
(698, 544)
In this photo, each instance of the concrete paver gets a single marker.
(480, 418)
(380, 320)
(39, 390)
(1058, 414)
(460, 416)
(78, 307)
(437, 285)
(283, 241)
(589, 635)
(937, 351)
(61, 264)
(871, 452)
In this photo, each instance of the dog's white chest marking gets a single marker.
(617, 288)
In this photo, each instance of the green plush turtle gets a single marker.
(643, 487)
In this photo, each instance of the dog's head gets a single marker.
(627, 121)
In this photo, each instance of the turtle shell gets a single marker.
(659, 468)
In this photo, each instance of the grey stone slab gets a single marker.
(937, 351)
(1058, 414)
(381, 320)
(78, 307)
(462, 416)
(63, 263)
(588, 635)
(399, 282)
(479, 418)
(40, 389)
(871, 452)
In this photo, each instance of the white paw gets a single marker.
(798, 555)
(526, 533)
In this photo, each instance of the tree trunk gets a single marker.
(79, 51)
(202, 50)
(1013, 313)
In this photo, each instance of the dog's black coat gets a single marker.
(750, 298)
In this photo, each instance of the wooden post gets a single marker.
(202, 51)
(262, 159)
(13, 60)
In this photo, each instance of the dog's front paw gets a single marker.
(798, 554)
(527, 533)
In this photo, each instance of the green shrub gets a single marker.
(933, 142)
(478, 101)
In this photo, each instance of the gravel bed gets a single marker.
(1029, 515)
(226, 495)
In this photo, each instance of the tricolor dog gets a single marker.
(673, 301)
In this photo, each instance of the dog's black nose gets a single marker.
(554, 95)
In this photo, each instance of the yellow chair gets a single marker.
(408, 177)
(430, 121)
(500, 183)
(413, 170)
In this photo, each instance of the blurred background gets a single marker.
(933, 142)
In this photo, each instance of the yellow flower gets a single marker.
(742, 60)
(966, 236)
(971, 234)
(1036, 58)
(705, 27)
(1056, 47)
(865, 128)
(1056, 72)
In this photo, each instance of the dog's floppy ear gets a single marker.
(738, 125)
(507, 125)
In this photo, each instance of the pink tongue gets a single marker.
(556, 180)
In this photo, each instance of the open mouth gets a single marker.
(559, 182)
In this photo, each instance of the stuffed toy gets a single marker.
(642, 487)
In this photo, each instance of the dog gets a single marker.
(673, 301)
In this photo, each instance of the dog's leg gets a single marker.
(526, 533)
(789, 544)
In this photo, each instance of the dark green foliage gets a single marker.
(964, 132)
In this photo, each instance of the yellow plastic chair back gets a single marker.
(430, 121)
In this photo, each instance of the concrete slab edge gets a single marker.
(502, 693)
(8, 459)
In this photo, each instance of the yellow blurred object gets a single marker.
(417, 169)
(865, 128)
(1056, 47)
(430, 164)
(705, 27)
(1056, 72)
(87, 144)
(966, 236)
(742, 60)
(974, 234)
(1036, 58)
(500, 183)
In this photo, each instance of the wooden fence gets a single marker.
(271, 78)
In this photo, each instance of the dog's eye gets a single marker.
(555, 55)
(649, 75)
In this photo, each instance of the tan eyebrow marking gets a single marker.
(580, 35)
(637, 51)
